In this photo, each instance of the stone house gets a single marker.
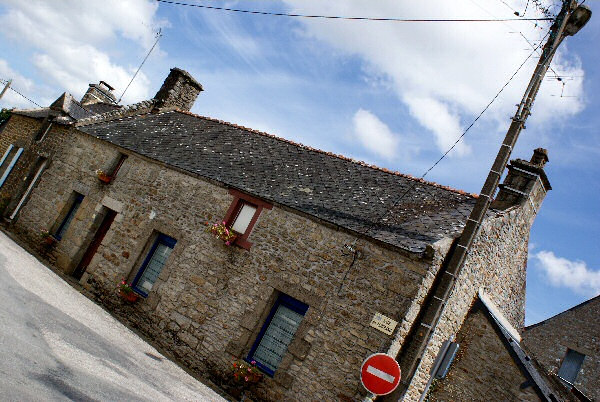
(568, 345)
(324, 243)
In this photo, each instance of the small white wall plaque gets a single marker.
(383, 323)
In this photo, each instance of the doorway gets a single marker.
(107, 220)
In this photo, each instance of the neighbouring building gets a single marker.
(324, 244)
(568, 345)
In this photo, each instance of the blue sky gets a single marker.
(393, 94)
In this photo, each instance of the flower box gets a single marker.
(130, 297)
(127, 293)
(103, 177)
(222, 232)
(49, 241)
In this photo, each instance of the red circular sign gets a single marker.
(380, 374)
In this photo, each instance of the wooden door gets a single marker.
(93, 247)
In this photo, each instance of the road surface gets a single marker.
(55, 344)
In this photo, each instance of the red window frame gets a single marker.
(239, 199)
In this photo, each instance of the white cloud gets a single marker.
(437, 118)
(74, 40)
(374, 134)
(575, 275)
(446, 73)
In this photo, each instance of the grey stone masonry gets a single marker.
(179, 91)
(316, 238)
(99, 93)
(577, 329)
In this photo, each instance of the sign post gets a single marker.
(380, 374)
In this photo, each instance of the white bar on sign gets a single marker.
(381, 374)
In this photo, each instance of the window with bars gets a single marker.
(277, 333)
(153, 264)
(64, 225)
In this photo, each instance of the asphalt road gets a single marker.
(57, 345)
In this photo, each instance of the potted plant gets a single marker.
(103, 177)
(222, 232)
(47, 238)
(245, 374)
(127, 292)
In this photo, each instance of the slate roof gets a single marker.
(341, 191)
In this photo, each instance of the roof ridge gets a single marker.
(575, 307)
(339, 156)
(126, 111)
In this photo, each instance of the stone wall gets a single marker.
(497, 262)
(576, 329)
(21, 132)
(211, 300)
(483, 368)
(179, 90)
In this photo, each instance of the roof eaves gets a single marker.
(525, 361)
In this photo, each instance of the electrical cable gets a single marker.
(19, 93)
(158, 36)
(415, 182)
(335, 17)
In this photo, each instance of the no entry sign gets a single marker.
(380, 374)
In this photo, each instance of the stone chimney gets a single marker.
(179, 91)
(525, 184)
(99, 93)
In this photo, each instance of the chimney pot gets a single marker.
(539, 157)
(99, 93)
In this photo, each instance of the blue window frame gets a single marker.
(64, 225)
(153, 264)
(11, 165)
(277, 333)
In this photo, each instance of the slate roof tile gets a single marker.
(389, 206)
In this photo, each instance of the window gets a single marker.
(118, 165)
(277, 333)
(46, 126)
(31, 182)
(153, 264)
(6, 166)
(243, 214)
(571, 365)
(62, 229)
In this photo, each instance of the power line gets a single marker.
(158, 36)
(20, 94)
(382, 216)
(337, 17)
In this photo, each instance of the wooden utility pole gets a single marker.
(571, 18)
(5, 88)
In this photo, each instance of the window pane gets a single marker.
(67, 221)
(571, 365)
(243, 219)
(277, 337)
(154, 266)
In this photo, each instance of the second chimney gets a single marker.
(179, 91)
(524, 181)
(99, 93)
